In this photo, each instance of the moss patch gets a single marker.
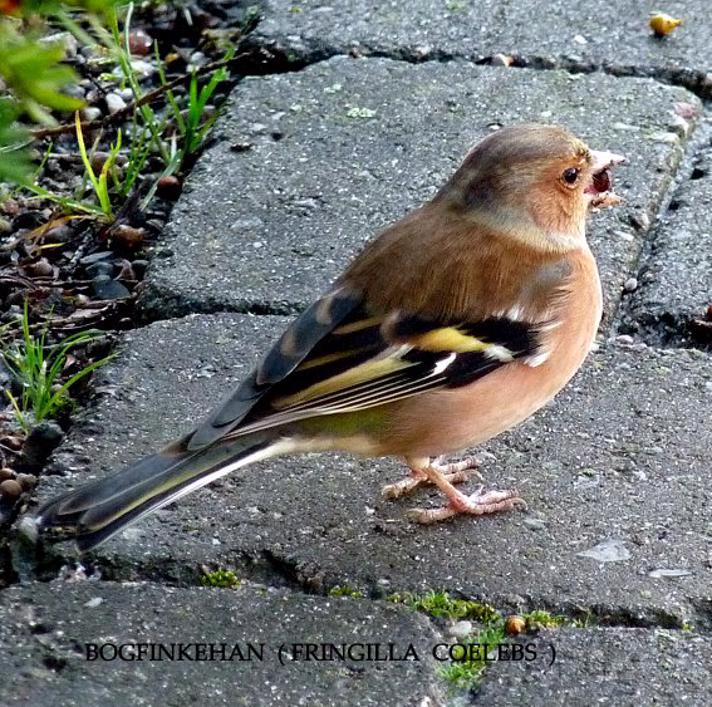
(441, 605)
(470, 656)
(223, 578)
(345, 591)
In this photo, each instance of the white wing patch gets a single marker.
(538, 358)
(441, 365)
(499, 353)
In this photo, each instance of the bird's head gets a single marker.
(533, 182)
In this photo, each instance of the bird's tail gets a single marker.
(93, 513)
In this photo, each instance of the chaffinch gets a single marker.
(453, 325)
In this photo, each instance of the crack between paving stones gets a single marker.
(267, 57)
(311, 581)
(157, 308)
(664, 330)
(269, 567)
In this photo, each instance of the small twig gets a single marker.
(126, 112)
(49, 282)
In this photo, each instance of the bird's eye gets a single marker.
(570, 176)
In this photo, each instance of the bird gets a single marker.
(451, 326)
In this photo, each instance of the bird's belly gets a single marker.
(447, 421)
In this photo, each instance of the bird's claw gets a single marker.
(479, 503)
(453, 472)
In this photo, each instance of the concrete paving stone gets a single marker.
(617, 468)
(45, 629)
(312, 164)
(675, 280)
(594, 35)
(622, 667)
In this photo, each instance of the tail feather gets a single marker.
(93, 513)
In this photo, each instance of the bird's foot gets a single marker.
(479, 503)
(453, 473)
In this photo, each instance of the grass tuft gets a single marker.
(38, 368)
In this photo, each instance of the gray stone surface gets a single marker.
(44, 629)
(676, 277)
(617, 467)
(622, 667)
(344, 148)
(595, 34)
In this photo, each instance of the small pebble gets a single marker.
(90, 114)
(640, 220)
(10, 207)
(114, 103)
(103, 267)
(66, 39)
(128, 237)
(625, 339)
(197, 59)
(462, 629)
(93, 603)
(40, 443)
(6, 473)
(28, 219)
(107, 289)
(169, 187)
(41, 268)
(140, 43)
(501, 60)
(58, 234)
(27, 481)
(423, 51)
(143, 69)
(631, 284)
(98, 160)
(10, 489)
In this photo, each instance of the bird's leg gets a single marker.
(454, 473)
(478, 503)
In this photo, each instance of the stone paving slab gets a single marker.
(676, 279)
(592, 35)
(312, 164)
(44, 629)
(617, 468)
(622, 667)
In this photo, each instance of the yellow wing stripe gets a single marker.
(450, 339)
(328, 358)
(358, 326)
(363, 373)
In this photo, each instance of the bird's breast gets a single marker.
(446, 421)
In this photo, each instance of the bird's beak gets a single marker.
(600, 191)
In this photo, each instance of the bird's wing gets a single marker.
(338, 357)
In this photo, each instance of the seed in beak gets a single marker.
(602, 180)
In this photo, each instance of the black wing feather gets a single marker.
(337, 335)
